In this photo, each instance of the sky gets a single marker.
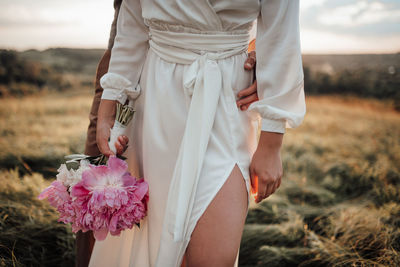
(326, 26)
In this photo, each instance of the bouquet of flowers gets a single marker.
(98, 193)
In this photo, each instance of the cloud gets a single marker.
(358, 14)
(350, 26)
(53, 13)
(340, 25)
(317, 42)
(15, 16)
(304, 5)
(354, 17)
(30, 24)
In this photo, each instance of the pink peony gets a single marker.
(109, 199)
(56, 194)
(106, 198)
(59, 198)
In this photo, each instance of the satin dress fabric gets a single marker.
(187, 133)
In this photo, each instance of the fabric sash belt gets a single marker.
(203, 82)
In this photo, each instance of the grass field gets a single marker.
(338, 205)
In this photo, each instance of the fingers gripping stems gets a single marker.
(117, 130)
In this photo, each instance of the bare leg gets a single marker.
(216, 238)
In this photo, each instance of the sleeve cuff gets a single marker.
(277, 126)
(117, 87)
(110, 94)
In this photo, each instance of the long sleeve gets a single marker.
(128, 53)
(280, 78)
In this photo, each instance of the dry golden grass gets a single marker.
(39, 130)
(32, 125)
(342, 179)
(30, 234)
(338, 205)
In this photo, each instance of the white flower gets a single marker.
(63, 174)
(71, 177)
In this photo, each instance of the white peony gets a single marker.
(71, 177)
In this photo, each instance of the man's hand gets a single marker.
(105, 121)
(249, 94)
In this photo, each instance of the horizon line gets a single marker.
(372, 52)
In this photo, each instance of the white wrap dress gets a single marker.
(185, 61)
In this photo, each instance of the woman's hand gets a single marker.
(249, 94)
(266, 165)
(105, 121)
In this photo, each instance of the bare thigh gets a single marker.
(216, 238)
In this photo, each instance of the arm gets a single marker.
(280, 77)
(127, 58)
(128, 52)
(280, 89)
(85, 241)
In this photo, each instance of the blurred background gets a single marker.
(339, 202)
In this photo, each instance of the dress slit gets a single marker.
(212, 197)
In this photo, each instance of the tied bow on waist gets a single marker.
(203, 82)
